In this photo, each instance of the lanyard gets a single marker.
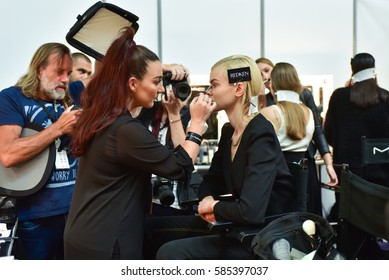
(59, 143)
(48, 112)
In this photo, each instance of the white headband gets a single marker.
(288, 95)
(363, 75)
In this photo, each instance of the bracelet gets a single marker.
(173, 121)
(194, 137)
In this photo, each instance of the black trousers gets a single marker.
(188, 237)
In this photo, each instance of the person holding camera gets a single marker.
(117, 154)
(169, 128)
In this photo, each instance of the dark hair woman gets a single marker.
(361, 109)
(118, 154)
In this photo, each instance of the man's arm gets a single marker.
(15, 150)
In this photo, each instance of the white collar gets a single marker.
(288, 95)
(363, 75)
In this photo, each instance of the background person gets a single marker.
(118, 154)
(40, 97)
(266, 67)
(170, 130)
(292, 120)
(82, 67)
(361, 109)
(319, 141)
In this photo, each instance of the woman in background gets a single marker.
(266, 67)
(360, 109)
(318, 141)
(292, 120)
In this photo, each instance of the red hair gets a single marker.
(107, 95)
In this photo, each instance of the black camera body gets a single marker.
(181, 88)
(163, 189)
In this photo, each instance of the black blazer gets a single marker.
(258, 177)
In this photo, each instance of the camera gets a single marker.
(181, 88)
(163, 189)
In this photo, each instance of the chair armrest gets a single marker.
(222, 226)
(244, 230)
(190, 202)
(247, 234)
(332, 188)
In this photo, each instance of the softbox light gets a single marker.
(98, 27)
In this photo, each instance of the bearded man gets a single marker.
(40, 98)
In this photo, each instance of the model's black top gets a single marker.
(258, 176)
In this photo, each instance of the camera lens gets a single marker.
(165, 195)
(182, 90)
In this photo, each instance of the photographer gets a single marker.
(168, 120)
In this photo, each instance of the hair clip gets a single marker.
(239, 75)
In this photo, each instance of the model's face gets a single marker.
(147, 89)
(265, 73)
(54, 78)
(220, 90)
(82, 69)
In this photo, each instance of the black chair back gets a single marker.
(362, 217)
(374, 151)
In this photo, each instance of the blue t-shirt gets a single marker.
(75, 90)
(54, 198)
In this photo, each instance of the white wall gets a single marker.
(200, 32)
(314, 35)
(372, 37)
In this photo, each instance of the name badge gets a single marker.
(61, 158)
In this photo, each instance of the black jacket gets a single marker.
(258, 177)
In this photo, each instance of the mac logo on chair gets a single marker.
(375, 149)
